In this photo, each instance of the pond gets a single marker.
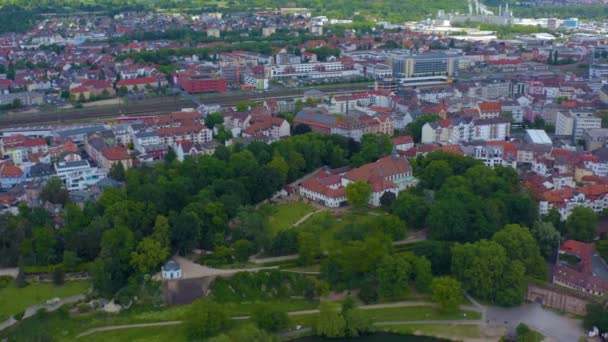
(378, 337)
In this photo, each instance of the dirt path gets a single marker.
(127, 326)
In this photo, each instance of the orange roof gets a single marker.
(490, 106)
(115, 153)
(382, 168)
(10, 171)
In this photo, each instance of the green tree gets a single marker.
(214, 119)
(58, 276)
(112, 268)
(54, 192)
(270, 318)
(308, 247)
(520, 245)
(70, 260)
(148, 256)
(393, 275)
(485, 270)
(373, 146)
(602, 248)
(547, 237)
(581, 224)
(206, 318)
(523, 333)
(597, 316)
(279, 164)
(242, 250)
(358, 193)
(411, 208)
(117, 172)
(435, 173)
(447, 293)
(330, 322)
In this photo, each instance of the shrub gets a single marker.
(270, 319)
(58, 276)
(19, 316)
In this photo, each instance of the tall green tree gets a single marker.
(581, 224)
(112, 268)
(521, 246)
(447, 293)
(358, 193)
(205, 319)
(330, 322)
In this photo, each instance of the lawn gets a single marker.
(283, 216)
(417, 313)
(14, 300)
(149, 334)
(450, 331)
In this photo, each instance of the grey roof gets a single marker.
(81, 130)
(318, 117)
(70, 164)
(145, 134)
(171, 265)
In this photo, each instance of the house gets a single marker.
(324, 187)
(565, 200)
(111, 155)
(403, 143)
(171, 270)
(587, 275)
(78, 175)
(267, 126)
(10, 175)
(389, 174)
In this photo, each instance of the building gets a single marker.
(587, 275)
(267, 126)
(493, 153)
(10, 175)
(324, 187)
(489, 110)
(171, 270)
(111, 155)
(195, 132)
(565, 200)
(78, 175)
(458, 131)
(575, 123)
(595, 138)
(538, 136)
(429, 66)
(389, 174)
(202, 84)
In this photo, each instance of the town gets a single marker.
(283, 174)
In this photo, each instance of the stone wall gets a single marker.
(557, 298)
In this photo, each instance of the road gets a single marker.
(550, 324)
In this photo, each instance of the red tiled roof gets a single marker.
(490, 106)
(136, 81)
(115, 153)
(382, 168)
(10, 171)
(405, 139)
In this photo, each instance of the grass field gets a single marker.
(283, 216)
(14, 300)
(417, 313)
(149, 334)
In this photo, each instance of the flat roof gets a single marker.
(538, 136)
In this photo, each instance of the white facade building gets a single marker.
(78, 175)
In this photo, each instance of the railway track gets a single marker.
(157, 107)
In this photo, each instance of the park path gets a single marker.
(302, 312)
(11, 272)
(305, 217)
(128, 326)
(32, 310)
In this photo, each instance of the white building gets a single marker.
(171, 270)
(575, 123)
(78, 175)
